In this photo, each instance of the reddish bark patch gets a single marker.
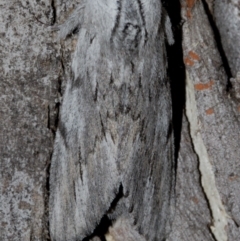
(193, 55)
(195, 200)
(210, 111)
(204, 86)
(190, 4)
(188, 61)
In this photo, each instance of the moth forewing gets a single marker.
(113, 155)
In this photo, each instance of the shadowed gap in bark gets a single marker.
(54, 13)
(176, 70)
(217, 38)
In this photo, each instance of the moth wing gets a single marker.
(84, 178)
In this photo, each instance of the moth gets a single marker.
(114, 154)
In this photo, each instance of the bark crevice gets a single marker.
(54, 12)
(218, 40)
(176, 70)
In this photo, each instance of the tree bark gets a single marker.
(30, 76)
(213, 132)
(204, 70)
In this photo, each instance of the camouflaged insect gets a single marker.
(114, 142)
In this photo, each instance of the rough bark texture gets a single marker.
(227, 16)
(29, 85)
(34, 69)
(213, 119)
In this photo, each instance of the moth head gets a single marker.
(129, 28)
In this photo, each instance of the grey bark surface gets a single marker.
(217, 125)
(34, 69)
(29, 83)
(227, 17)
(192, 216)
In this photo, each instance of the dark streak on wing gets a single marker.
(96, 93)
(74, 190)
(76, 83)
(111, 79)
(140, 5)
(63, 132)
(80, 163)
(169, 131)
(119, 2)
(103, 128)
